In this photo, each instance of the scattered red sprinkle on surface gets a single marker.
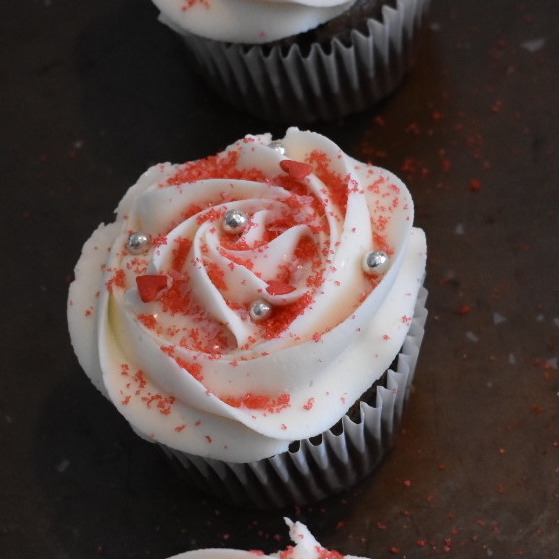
(297, 169)
(179, 428)
(150, 286)
(475, 185)
(394, 550)
(464, 309)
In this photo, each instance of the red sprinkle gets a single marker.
(297, 169)
(150, 286)
(475, 185)
(279, 288)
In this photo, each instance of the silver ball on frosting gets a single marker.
(235, 221)
(260, 310)
(375, 262)
(138, 243)
(278, 147)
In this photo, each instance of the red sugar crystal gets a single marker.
(222, 165)
(259, 402)
(180, 253)
(148, 320)
(118, 280)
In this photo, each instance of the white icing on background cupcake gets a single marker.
(248, 21)
(306, 547)
(165, 329)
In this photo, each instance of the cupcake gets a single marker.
(306, 547)
(258, 314)
(299, 60)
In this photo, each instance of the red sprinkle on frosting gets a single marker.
(297, 169)
(259, 402)
(279, 288)
(149, 286)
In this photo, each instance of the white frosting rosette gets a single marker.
(229, 341)
(248, 21)
(305, 547)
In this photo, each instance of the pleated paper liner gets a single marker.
(324, 465)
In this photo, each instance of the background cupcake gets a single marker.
(259, 314)
(299, 60)
(305, 547)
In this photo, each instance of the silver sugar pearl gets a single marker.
(260, 310)
(138, 243)
(375, 262)
(235, 221)
(278, 147)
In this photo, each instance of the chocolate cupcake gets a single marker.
(299, 60)
(304, 546)
(258, 313)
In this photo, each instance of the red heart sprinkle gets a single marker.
(279, 288)
(296, 169)
(150, 286)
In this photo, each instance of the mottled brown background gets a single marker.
(94, 92)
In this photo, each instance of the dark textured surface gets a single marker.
(94, 92)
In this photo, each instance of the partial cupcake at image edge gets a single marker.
(259, 314)
(298, 61)
(305, 547)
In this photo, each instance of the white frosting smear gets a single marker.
(305, 547)
(167, 334)
(248, 21)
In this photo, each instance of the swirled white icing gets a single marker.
(248, 21)
(168, 336)
(306, 547)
